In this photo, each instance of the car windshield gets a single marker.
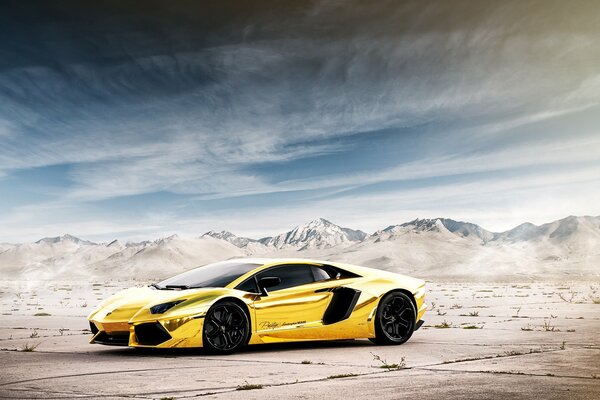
(218, 274)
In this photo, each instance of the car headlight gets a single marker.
(164, 307)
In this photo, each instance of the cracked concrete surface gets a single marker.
(529, 343)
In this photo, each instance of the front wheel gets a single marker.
(395, 319)
(226, 328)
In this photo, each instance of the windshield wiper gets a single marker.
(154, 285)
(177, 287)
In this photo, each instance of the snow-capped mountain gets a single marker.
(557, 231)
(238, 241)
(524, 231)
(166, 256)
(116, 244)
(572, 239)
(443, 226)
(64, 239)
(436, 247)
(467, 229)
(51, 255)
(42, 250)
(317, 234)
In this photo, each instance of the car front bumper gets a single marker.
(179, 332)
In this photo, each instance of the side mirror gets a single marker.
(267, 282)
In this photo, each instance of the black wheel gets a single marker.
(226, 328)
(395, 319)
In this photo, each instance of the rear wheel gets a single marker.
(226, 328)
(395, 319)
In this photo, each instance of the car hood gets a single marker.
(133, 305)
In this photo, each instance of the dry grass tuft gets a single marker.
(390, 366)
(443, 325)
(29, 348)
(471, 327)
(249, 386)
(338, 376)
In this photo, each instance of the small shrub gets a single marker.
(510, 353)
(568, 298)
(390, 366)
(443, 325)
(338, 376)
(29, 348)
(527, 328)
(42, 314)
(548, 326)
(249, 386)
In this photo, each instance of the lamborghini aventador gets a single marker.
(230, 304)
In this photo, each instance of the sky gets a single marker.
(136, 120)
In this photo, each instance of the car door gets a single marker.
(296, 306)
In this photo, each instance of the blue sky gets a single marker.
(130, 123)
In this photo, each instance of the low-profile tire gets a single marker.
(226, 328)
(395, 319)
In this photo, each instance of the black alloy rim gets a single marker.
(226, 327)
(397, 317)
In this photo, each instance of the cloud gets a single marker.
(198, 107)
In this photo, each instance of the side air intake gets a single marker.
(341, 306)
(151, 334)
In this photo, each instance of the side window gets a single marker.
(290, 275)
(323, 274)
(248, 286)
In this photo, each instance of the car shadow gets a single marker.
(253, 349)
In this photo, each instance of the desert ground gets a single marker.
(483, 340)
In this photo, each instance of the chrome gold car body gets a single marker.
(343, 306)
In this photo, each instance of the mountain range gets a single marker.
(317, 234)
(429, 248)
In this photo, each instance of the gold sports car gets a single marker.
(227, 305)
